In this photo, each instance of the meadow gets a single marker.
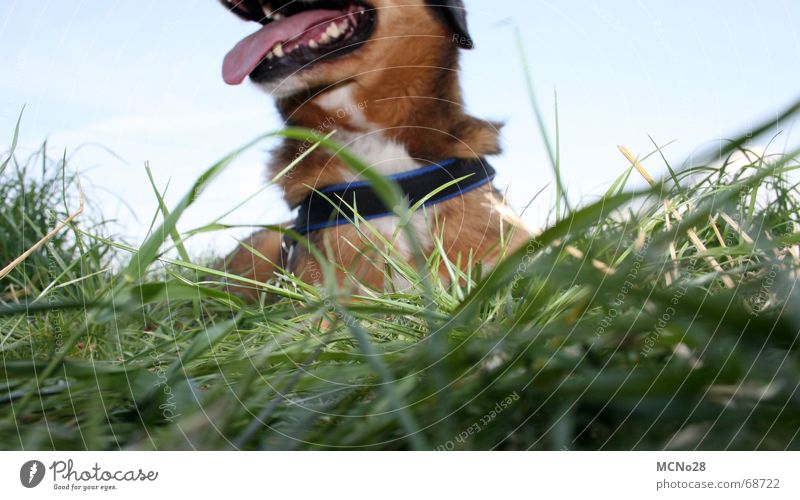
(659, 318)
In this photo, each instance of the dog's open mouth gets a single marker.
(294, 35)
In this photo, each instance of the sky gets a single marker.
(142, 80)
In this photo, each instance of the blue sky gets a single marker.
(143, 79)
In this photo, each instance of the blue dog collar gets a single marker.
(317, 213)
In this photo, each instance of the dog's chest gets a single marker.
(386, 156)
(369, 142)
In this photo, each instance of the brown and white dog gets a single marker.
(384, 75)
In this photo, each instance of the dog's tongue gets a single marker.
(248, 54)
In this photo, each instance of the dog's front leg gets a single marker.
(257, 258)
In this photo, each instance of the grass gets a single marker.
(665, 318)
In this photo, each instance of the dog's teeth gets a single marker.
(267, 12)
(278, 50)
(333, 31)
(343, 26)
(325, 38)
(313, 44)
(270, 56)
(277, 16)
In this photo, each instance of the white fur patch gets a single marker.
(388, 227)
(283, 88)
(369, 144)
(341, 104)
(384, 155)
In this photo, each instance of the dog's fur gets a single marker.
(395, 102)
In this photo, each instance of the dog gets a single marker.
(384, 75)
